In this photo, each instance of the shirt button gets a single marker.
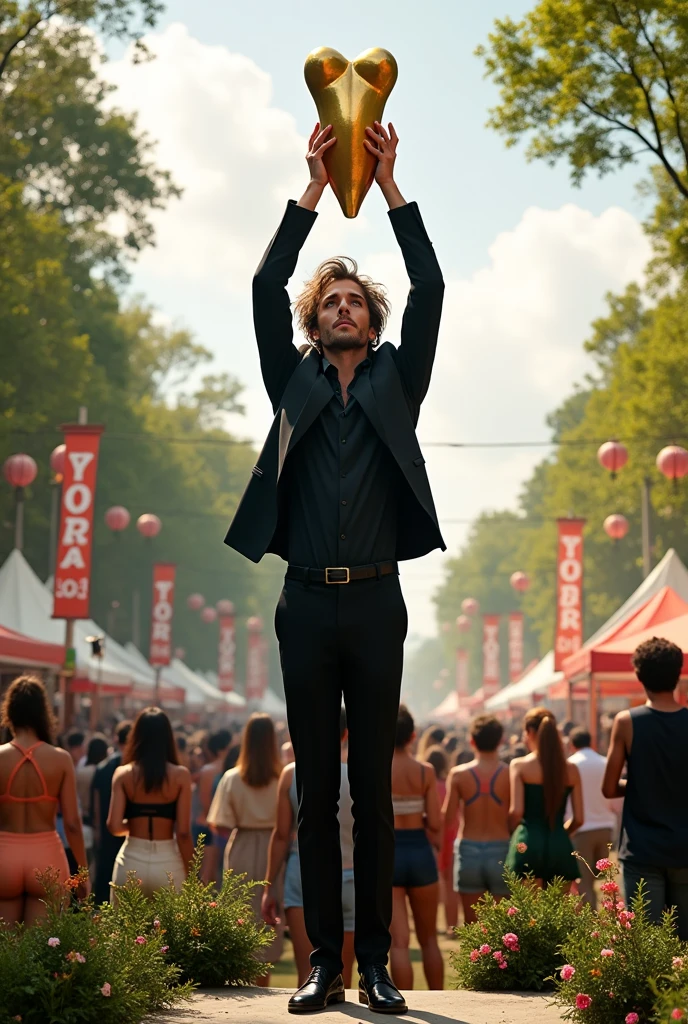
(343, 501)
(343, 440)
(342, 536)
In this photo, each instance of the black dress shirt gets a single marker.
(342, 486)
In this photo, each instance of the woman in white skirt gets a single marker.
(245, 809)
(151, 806)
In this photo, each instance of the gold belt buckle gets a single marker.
(337, 568)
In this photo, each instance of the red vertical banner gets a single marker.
(72, 591)
(162, 612)
(461, 673)
(226, 653)
(254, 658)
(569, 632)
(515, 646)
(491, 680)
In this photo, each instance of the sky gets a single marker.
(527, 258)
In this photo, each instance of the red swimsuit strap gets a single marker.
(27, 758)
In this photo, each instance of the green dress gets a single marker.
(549, 851)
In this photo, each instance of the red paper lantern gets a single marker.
(148, 525)
(616, 526)
(117, 518)
(463, 624)
(57, 458)
(225, 607)
(520, 581)
(195, 602)
(470, 606)
(254, 624)
(179, 652)
(209, 614)
(672, 461)
(19, 470)
(612, 455)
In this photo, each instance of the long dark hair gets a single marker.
(259, 762)
(97, 749)
(151, 747)
(26, 707)
(550, 752)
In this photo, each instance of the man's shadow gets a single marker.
(362, 1013)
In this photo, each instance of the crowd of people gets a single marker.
(466, 806)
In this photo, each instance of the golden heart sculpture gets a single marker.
(350, 95)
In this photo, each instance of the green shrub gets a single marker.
(671, 1004)
(523, 931)
(79, 966)
(212, 936)
(616, 964)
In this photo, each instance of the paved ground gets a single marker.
(261, 1006)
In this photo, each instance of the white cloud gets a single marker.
(511, 341)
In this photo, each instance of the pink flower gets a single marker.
(512, 910)
(53, 942)
(607, 952)
(677, 962)
(213, 903)
(483, 929)
(485, 949)
(676, 1014)
(594, 935)
(582, 1001)
(609, 887)
(510, 940)
(156, 923)
(608, 904)
(163, 949)
(603, 864)
(620, 905)
(498, 955)
(632, 1018)
(503, 965)
(240, 921)
(567, 972)
(521, 847)
(80, 958)
(474, 955)
(106, 989)
(140, 940)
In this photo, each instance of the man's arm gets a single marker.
(272, 318)
(612, 783)
(421, 322)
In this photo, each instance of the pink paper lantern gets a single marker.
(520, 582)
(470, 606)
(463, 624)
(672, 462)
(117, 518)
(616, 526)
(209, 614)
(20, 470)
(254, 624)
(225, 607)
(148, 525)
(195, 602)
(612, 455)
(57, 460)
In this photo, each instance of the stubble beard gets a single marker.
(355, 339)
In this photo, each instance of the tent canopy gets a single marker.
(17, 649)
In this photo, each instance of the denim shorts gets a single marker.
(414, 861)
(479, 867)
(293, 895)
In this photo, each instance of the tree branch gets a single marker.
(669, 88)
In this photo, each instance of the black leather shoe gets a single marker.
(377, 991)
(322, 988)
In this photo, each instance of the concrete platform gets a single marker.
(269, 1006)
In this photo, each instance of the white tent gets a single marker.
(670, 572)
(272, 705)
(26, 605)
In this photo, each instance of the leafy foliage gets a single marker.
(524, 931)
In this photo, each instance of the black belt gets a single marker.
(341, 574)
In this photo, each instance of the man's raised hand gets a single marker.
(383, 145)
(318, 144)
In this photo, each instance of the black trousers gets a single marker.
(344, 641)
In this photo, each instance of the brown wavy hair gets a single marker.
(340, 268)
(550, 754)
(259, 762)
(151, 747)
(26, 706)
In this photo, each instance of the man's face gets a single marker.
(343, 318)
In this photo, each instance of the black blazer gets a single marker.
(391, 394)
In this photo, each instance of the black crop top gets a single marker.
(150, 811)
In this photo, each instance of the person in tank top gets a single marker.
(652, 741)
(36, 779)
(481, 789)
(417, 837)
(151, 806)
(284, 849)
